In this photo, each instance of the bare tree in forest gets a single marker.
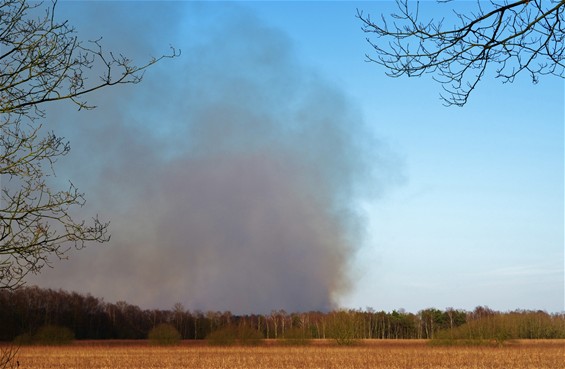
(524, 36)
(42, 61)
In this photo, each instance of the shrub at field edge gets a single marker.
(164, 334)
(53, 335)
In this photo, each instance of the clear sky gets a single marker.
(394, 200)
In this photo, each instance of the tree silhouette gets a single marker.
(524, 36)
(42, 61)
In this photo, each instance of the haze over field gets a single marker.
(269, 167)
(237, 191)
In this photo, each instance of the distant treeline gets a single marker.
(26, 310)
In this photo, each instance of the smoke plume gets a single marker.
(231, 175)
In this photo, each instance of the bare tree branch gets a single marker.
(510, 37)
(42, 61)
(8, 357)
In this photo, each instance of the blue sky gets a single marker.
(469, 207)
(479, 219)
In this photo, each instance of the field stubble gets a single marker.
(368, 354)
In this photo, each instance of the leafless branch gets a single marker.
(510, 37)
(42, 61)
(8, 357)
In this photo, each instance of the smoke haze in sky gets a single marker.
(232, 176)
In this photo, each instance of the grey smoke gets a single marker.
(231, 175)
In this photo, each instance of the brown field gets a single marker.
(368, 354)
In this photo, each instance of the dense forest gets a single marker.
(26, 310)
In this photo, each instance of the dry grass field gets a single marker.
(369, 354)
